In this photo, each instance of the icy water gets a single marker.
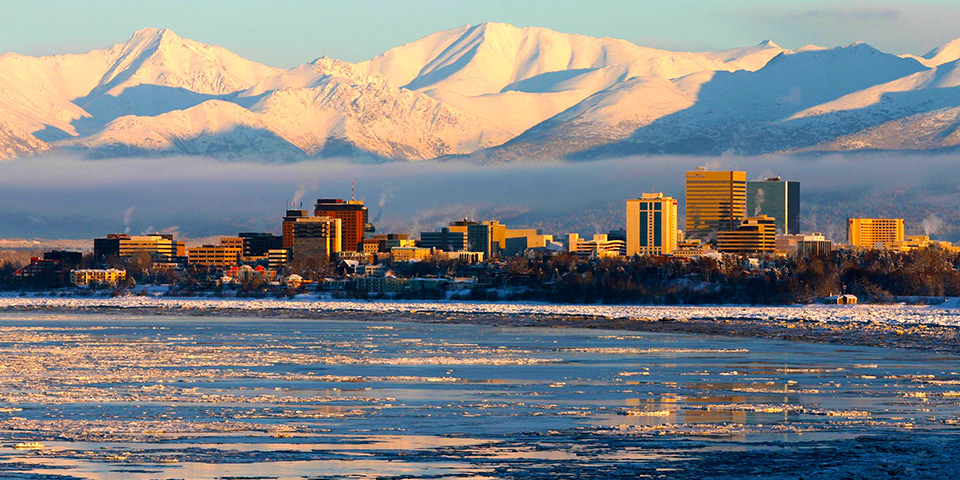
(160, 397)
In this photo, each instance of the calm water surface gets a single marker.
(159, 397)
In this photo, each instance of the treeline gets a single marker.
(872, 275)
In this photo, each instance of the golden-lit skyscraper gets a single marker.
(715, 201)
(651, 225)
(868, 232)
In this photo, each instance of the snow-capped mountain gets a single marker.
(491, 91)
(323, 108)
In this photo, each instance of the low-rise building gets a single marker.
(257, 244)
(380, 284)
(411, 254)
(519, 241)
(468, 257)
(803, 245)
(693, 247)
(161, 247)
(755, 235)
(89, 276)
(225, 255)
(599, 247)
(916, 242)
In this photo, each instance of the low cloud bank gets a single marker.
(67, 197)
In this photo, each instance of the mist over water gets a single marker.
(68, 197)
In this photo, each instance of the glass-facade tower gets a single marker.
(715, 201)
(778, 199)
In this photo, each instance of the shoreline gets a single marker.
(906, 327)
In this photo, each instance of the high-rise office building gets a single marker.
(776, 198)
(715, 201)
(868, 232)
(288, 220)
(651, 225)
(755, 235)
(353, 217)
(317, 236)
(480, 238)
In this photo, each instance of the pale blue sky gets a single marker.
(290, 32)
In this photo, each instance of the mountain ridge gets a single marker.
(489, 92)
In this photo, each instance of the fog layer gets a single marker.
(66, 197)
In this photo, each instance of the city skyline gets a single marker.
(439, 239)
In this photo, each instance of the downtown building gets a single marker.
(225, 255)
(161, 248)
(754, 236)
(869, 232)
(289, 219)
(778, 199)
(317, 237)
(651, 225)
(600, 246)
(716, 200)
(353, 220)
(257, 244)
(446, 240)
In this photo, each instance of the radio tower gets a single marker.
(353, 186)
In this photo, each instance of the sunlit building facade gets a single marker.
(872, 232)
(109, 277)
(227, 254)
(754, 235)
(353, 219)
(317, 237)
(651, 225)
(160, 247)
(716, 200)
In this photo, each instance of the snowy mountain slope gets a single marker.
(916, 112)
(158, 72)
(485, 58)
(335, 110)
(492, 90)
(600, 119)
(516, 77)
(748, 58)
(713, 112)
(938, 129)
(15, 142)
(154, 72)
(948, 52)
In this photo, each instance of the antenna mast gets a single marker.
(353, 186)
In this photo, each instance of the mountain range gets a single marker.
(490, 92)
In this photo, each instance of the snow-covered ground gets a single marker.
(946, 314)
